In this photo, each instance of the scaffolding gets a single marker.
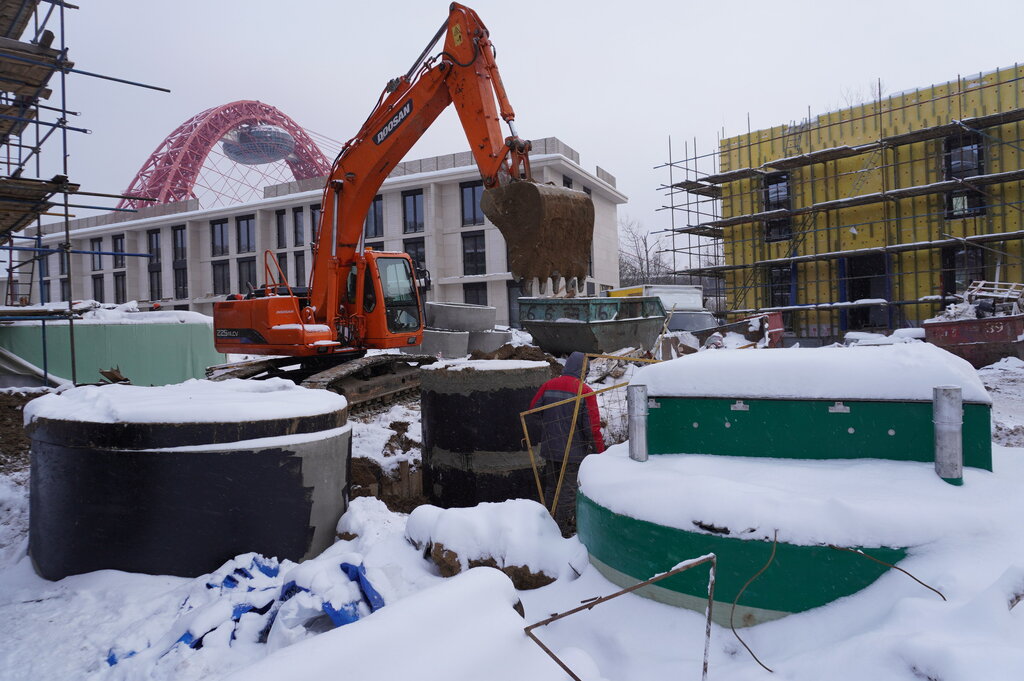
(34, 66)
(869, 217)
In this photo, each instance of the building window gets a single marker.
(156, 291)
(964, 158)
(282, 263)
(375, 246)
(281, 226)
(474, 294)
(117, 241)
(246, 228)
(566, 181)
(97, 259)
(65, 289)
(298, 227)
(246, 274)
(300, 269)
(218, 237)
(62, 264)
(412, 211)
(180, 282)
(44, 292)
(960, 267)
(775, 195)
(120, 288)
(777, 289)
(314, 217)
(97, 288)
(221, 277)
(588, 191)
(471, 193)
(179, 243)
(474, 258)
(417, 250)
(374, 227)
(44, 266)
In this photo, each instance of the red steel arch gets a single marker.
(170, 172)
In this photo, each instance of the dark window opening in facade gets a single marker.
(120, 288)
(961, 265)
(775, 196)
(412, 211)
(964, 157)
(867, 279)
(218, 237)
(778, 287)
(588, 191)
(179, 243)
(374, 246)
(180, 281)
(97, 288)
(300, 270)
(417, 250)
(246, 274)
(44, 292)
(566, 181)
(474, 257)
(471, 193)
(298, 227)
(374, 227)
(62, 265)
(117, 243)
(97, 259)
(474, 294)
(282, 263)
(221, 277)
(65, 289)
(281, 227)
(246, 228)
(44, 266)
(156, 287)
(156, 290)
(314, 217)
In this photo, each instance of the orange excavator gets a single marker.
(360, 299)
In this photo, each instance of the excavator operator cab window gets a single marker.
(369, 292)
(350, 287)
(396, 278)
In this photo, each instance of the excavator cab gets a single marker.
(381, 293)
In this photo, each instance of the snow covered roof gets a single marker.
(233, 400)
(905, 371)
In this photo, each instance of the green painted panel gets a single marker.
(148, 354)
(799, 578)
(807, 429)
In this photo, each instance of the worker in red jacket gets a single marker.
(556, 423)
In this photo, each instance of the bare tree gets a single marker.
(641, 256)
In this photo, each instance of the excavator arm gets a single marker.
(548, 229)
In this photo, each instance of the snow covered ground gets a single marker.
(466, 627)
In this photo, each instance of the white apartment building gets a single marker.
(429, 208)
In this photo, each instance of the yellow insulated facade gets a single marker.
(869, 217)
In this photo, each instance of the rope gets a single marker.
(775, 543)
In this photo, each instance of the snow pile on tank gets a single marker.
(906, 371)
(195, 401)
(518, 533)
(859, 502)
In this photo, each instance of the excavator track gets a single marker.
(366, 382)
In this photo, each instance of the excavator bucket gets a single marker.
(548, 229)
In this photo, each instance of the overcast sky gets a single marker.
(614, 80)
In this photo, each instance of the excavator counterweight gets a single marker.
(548, 229)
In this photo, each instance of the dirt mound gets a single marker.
(524, 352)
(447, 562)
(14, 444)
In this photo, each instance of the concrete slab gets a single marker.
(488, 341)
(460, 316)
